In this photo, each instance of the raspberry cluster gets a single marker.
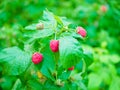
(54, 46)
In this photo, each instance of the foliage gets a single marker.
(102, 37)
(53, 70)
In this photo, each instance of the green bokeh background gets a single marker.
(103, 32)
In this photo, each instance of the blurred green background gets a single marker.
(101, 19)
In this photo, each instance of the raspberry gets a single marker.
(39, 26)
(103, 8)
(37, 58)
(71, 68)
(81, 31)
(54, 45)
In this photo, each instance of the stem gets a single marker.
(84, 67)
(56, 63)
(55, 36)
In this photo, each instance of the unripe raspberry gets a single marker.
(59, 82)
(54, 45)
(37, 58)
(103, 8)
(81, 31)
(39, 26)
(71, 68)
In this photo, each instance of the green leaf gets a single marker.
(15, 60)
(115, 84)
(31, 27)
(48, 63)
(77, 36)
(70, 51)
(59, 21)
(6, 82)
(73, 86)
(65, 21)
(48, 16)
(79, 66)
(96, 79)
(33, 85)
(46, 24)
(73, 26)
(30, 33)
(81, 86)
(65, 75)
(88, 57)
(50, 86)
(39, 34)
(17, 85)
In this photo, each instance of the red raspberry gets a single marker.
(103, 8)
(81, 31)
(54, 45)
(37, 58)
(71, 68)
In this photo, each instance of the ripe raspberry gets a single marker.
(103, 8)
(71, 68)
(81, 31)
(39, 26)
(37, 58)
(54, 45)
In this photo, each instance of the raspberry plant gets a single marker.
(52, 56)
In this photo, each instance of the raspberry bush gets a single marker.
(50, 57)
